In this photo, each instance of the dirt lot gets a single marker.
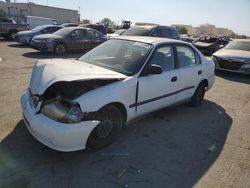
(207, 146)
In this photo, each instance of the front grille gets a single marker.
(232, 65)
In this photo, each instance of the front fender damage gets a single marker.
(57, 102)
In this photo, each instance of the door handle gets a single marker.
(173, 79)
(200, 72)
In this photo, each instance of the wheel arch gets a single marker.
(205, 81)
(122, 109)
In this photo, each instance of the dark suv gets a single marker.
(154, 31)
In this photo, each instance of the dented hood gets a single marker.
(47, 72)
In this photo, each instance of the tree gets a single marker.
(182, 30)
(107, 22)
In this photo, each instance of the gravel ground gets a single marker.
(207, 146)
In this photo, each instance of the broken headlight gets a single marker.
(63, 111)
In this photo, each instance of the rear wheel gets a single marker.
(105, 132)
(60, 49)
(198, 96)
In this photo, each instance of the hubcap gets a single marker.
(104, 128)
(60, 49)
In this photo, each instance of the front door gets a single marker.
(158, 90)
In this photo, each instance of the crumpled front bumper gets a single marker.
(56, 135)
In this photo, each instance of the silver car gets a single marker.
(235, 57)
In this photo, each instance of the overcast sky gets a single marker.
(233, 14)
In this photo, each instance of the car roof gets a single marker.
(50, 26)
(149, 40)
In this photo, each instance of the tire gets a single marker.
(199, 94)
(211, 52)
(11, 34)
(104, 133)
(60, 49)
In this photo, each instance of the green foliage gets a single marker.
(182, 30)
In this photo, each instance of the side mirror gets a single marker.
(152, 69)
(44, 31)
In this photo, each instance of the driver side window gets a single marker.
(164, 57)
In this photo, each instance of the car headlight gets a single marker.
(63, 111)
(46, 40)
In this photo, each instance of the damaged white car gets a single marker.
(73, 104)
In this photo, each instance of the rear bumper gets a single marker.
(56, 135)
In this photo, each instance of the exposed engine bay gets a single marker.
(56, 102)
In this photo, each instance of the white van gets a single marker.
(33, 21)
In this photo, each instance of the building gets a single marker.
(18, 11)
(223, 31)
(188, 27)
(205, 29)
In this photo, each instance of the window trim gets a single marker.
(152, 54)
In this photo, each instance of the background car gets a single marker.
(116, 33)
(98, 27)
(8, 28)
(235, 57)
(69, 25)
(71, 104)
(210, 44)
(34, 21)
(68, 39)
(25, 37)
(154, 31)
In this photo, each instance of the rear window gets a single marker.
(137, 31)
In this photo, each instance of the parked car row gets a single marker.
(210, 44)
(235, 57)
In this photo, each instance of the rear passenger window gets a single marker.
(164, 57)
(165, 33)
(187, 57)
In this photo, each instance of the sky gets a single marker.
(232, 14)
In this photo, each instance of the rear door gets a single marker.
(190, 70)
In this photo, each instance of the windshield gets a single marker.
(64, 31)
(38, 28)
(122, 56)
(239, 45)
(137, 31)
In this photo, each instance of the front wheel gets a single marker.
(198, 96)
(104, 133)
(11, 34)
(60, 49)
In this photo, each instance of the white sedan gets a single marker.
(73, 104)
